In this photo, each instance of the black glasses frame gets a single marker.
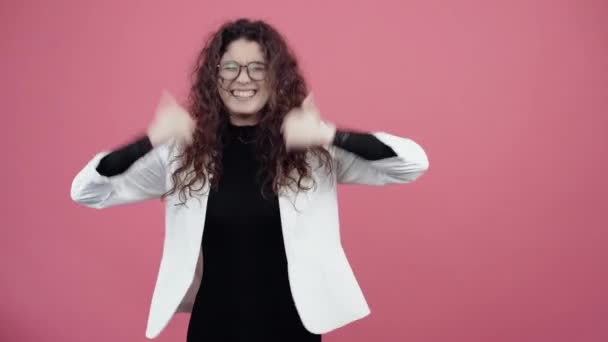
(241, 66)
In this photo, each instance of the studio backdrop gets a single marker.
(503, 239)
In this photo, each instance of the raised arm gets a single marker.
(377, 158)
(361, 158)
(138, 170)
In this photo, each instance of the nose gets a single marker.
(243, 75)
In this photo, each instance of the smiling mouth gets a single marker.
(243, 94)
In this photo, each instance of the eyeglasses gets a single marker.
(232, 70)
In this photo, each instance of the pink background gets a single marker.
(504, 239)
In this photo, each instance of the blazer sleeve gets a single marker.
(145, 179)
(408, 165)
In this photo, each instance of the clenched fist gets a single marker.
(171, 121)
(303, 127)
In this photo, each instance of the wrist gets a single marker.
(154, 137)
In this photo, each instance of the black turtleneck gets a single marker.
(245, 293)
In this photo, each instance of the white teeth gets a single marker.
(243, 93)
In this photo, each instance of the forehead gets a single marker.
(243, 51)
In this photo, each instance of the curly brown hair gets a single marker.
(287, 90)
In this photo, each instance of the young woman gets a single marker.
(248, 174)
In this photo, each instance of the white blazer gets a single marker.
(325, 291)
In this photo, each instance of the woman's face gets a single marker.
(246, 94)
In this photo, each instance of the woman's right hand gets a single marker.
(171, 121)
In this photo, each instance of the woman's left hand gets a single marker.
(303, 127)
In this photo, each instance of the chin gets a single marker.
(244, 111)
(244, 114)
